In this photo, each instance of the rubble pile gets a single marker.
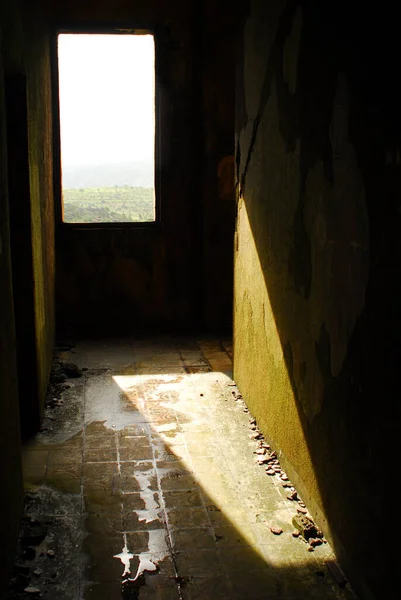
(267, 458)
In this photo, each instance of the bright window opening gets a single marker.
(107, 127)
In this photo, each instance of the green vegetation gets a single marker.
(116, 204)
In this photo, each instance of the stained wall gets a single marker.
(317, 272)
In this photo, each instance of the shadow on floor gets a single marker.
(143, 484)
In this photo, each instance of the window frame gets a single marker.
(57, 169)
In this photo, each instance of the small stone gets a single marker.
(200, 394)
(305, 526)
(276, 530)
(292, 496)
(311, 549)
(261, 460)
(32, 590)
(277, 469)
(315, 542)
(286, 484)
(296, 533)
(37, 572)
(302, 504)
(260, 451)
(270, 472)
(284, 477)
(302, 511)
(51, 553)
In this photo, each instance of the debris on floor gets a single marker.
(47, 549)
(150, 479)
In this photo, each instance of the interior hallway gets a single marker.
(151, 455)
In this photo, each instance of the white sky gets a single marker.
(106, 98)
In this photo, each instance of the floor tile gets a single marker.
(187, 517)
(177, 479)
(148, 462)
(182, 499)
(205, 588)
(199, 563)
(200, 538)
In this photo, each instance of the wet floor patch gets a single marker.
(150, 479)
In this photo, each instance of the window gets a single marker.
(107, 127)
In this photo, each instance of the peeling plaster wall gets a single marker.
(316, 328)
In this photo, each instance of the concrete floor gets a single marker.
(144, 483)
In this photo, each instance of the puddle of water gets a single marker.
(147, 516)
(144, 565)
(145, 491)
(148, 496)
(148, 561)
(125, 558)
(143, 480)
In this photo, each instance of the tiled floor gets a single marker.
(148, 463)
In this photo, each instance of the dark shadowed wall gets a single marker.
(40, 151)
(29, 148)
(11, 490)
(26, 252)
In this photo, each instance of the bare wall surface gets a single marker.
(29, 148)
(219, 35)
(317, 274)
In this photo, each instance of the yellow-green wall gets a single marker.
(305, 330)
(40, 151)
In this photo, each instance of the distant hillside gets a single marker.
(136, 174)
(109, 205)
